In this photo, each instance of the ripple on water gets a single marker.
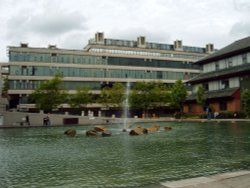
(46, 158)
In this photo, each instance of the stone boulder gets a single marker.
(152, 129)
(70, 132)
(106, 133)
(138, 131)
(99, 128)
(91, 133)
(167, 128)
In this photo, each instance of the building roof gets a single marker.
(142, 43)
(224, 73)
(215, 94)
(237, 47)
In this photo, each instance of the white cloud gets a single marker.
(50, 24)
(240, 29)
(70, 24)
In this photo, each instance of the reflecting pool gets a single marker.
(45, 157)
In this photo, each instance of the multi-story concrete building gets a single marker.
(102, 62)
(225, 74)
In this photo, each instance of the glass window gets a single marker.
(230, 62)
(225, 84)
(217, 67)
(205, 85)
(244, 58)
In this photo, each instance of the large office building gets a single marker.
(225, 74)
(101, 63)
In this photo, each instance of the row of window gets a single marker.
(143, 53)
(99, 60)
(157, 46)
(68, 85)
(150, 63)
(54, 57)
(227, 63)
(34, 84)
(98, 73)
(220, 84)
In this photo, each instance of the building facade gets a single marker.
(102, 62)
(3, 74)
(225, 74)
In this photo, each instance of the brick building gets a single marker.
(225, 74)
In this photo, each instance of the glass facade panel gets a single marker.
(95, 73)
(34, 84)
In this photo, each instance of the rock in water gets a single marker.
(70, 132)
(99, 128)
(91, 133)
(137, 131)
(167, 128)
(153, 128)
(106, 133)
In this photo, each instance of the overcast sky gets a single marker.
(70, 23)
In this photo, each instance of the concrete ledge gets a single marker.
(230, 175)
(187, 182)
(224, 180)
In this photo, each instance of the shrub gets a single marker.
(225, 115)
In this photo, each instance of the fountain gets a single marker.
(126, 107)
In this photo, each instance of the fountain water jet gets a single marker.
(126, 107)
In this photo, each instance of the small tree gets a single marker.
(5, 87)
(147, 95)
(178, 95)
(50, 94)
(140, 95)
(200, 97)
(113, 96)
(246, 102)
(81, 98)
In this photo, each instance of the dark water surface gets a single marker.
(44, 157)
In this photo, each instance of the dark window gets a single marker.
(217, 66)
(230, 62)
(225, 84)
(205, 86)
(244, 58)
(223, 105)
(159, 75)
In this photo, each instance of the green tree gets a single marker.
(178, 95)
(200, 97)
(5, 87)
(113, 96)
(81, 98)
(246, 102)
(50, 94)
(147, 95)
